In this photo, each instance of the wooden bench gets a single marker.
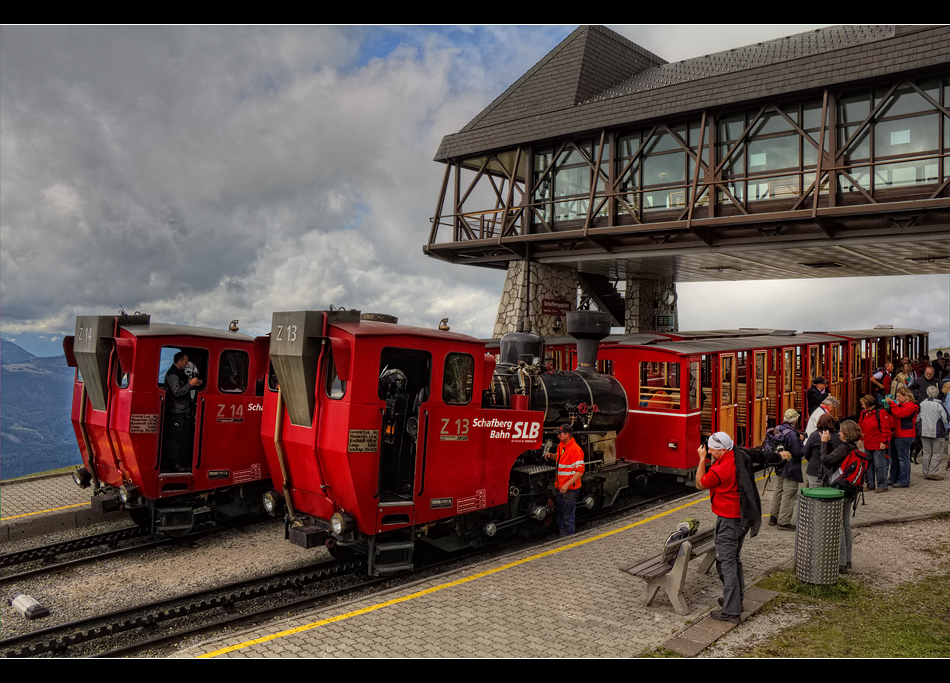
(667, 570)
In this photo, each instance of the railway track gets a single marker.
(129, 630)
(97, 547)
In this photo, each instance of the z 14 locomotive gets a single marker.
(382, 435)
(121, 420)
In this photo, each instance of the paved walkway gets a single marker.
(564, 599)
(44, 504)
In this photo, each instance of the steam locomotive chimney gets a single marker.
(588, 328)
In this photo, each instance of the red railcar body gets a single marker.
(119, 418)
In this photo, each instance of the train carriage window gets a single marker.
(335, 387)
(659, 385)
(726, 380)
(695, 394)
(458, 379)
(232, 372)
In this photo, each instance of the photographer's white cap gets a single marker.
(720, 440)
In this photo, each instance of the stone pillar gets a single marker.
(556, 283)
(646, 298)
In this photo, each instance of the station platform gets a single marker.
(566, 598)
(45, 504)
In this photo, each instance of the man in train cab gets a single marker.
(735, 502)
(178, 416)
(817, 392)
(570, 467)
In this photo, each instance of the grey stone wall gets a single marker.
(546, 282)
(643, 305)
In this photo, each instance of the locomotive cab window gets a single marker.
(458, 379)
(336, 388)
(660, 385)
(232, 372)
(121, 377)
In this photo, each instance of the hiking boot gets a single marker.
(719, 616)
(935, 477)
(787, 527)
(773, 521)
(880, 490)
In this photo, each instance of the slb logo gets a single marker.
(526, 430)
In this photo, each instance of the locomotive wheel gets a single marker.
(338, 552)
(141, 516)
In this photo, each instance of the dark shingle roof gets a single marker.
(748, 57)
(596, 78)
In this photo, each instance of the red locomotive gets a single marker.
(121, 417)
(380, 435)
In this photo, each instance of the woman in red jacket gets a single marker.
(877, 425)
(904, 411)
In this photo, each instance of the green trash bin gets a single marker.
(818, 536)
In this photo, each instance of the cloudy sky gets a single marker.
(202, 174)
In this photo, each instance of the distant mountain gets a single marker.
(11, 353)
(35, 395)
(43, 344)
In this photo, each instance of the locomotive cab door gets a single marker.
(179, 436)
(404, 385)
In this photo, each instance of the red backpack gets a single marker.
(849, 477)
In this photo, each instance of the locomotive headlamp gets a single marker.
(82, 477)
(128, 493)
(273, 502)
(539, 512)
(341, 522)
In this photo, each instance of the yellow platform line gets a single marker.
(27, 514)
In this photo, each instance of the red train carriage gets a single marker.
(119, 414)
(865, 351)
(681, 389)
(385, 434)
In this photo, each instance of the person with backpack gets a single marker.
(844, 469)
(788, 475)
(735, 501)
(933, 429)
(812, 450)
(877, 426)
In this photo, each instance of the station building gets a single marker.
(605, 175)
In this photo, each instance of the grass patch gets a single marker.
(787, 582)
(911, 621)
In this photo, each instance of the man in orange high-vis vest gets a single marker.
(570, 467)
